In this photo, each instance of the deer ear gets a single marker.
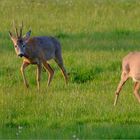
(27, 36)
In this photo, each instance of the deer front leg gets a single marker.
(23, 66)
(39, 67)
(50, 71)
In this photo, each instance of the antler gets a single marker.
(15, 29)
(21, 28)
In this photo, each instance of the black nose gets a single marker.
(21, 55)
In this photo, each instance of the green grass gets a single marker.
(95, 36)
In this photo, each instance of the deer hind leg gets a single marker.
(63, 70)
(39, 68)
(24, 65)
(136, 90)
(124, 78)
(50, 72)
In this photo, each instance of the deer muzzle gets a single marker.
(21, 55)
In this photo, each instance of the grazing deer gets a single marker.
(130, 68)
(38, 50)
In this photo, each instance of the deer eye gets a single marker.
(23, 45)
(15, 46)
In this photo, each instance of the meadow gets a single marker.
(95, 36)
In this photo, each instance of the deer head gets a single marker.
(20, 41)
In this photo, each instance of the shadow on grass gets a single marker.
(80, 131)
(84, 75)
(103, 41)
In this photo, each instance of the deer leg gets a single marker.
(50, 71)
(39, 67)
(124, 78)
(64, 73)
(136, 90)
(63, 70)
(24, 65)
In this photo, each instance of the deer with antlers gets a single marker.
(38, 50)
(130, 69)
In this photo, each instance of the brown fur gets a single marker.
(130, 69)
(38, 50)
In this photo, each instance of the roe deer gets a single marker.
(130, 69)
(38, 50)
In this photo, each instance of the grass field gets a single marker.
(95, 36)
